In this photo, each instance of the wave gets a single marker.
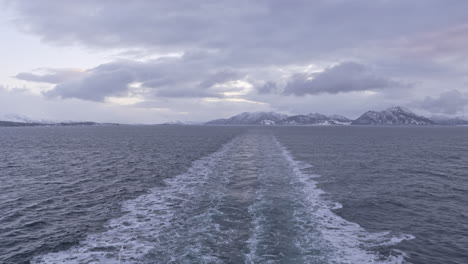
(350, 242)
(149, 221)
(249, 202)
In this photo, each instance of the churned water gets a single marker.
(177, 194)
(58, 184)
(408, 180)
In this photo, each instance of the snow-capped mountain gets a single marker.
(316, 119)
(392, 116)
(19, 120)
(271, 118)
(22, 119)
(255, 118)
(178, 122)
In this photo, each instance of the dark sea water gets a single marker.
(193, 194)
(411, 180)
(58, 184)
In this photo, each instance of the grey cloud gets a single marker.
(186, 93)
(450, 102)
(243, 32)
(28, 105)
(268, 88)
(345, 77)
(220, 77)
(438, 43)
(224, 40)
(95, 86)
(161, 78)
(54, 76)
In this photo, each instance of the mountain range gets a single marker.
(391, 116)
(23, 124)
(272, 118)
(11, 120)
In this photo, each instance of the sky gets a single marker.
(160, 61)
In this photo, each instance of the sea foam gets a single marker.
(199, 216)
(350, 242)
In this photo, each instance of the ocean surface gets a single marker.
(207, 194)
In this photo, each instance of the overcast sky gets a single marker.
(157, 61)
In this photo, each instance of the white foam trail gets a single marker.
(351, 243)
(149, 221)
(181, 222)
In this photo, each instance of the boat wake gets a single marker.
(249, 202)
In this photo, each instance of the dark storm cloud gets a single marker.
(53, 76)
(345, 77)
(450, 102)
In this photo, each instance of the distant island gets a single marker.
(391, 116)
(29, 124)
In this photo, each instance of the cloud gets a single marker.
(345, 77)
(95, 86)
(205, 47)
(449, 102)
(268, 88)
(439, 43)
(174, 77)
(53, 76)
(220, 77)
(242, 32)
(22, 103)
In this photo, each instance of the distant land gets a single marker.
(21, 121)
(271, 118)
(392, 116)
(23, 124)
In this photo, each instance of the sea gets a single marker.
(234, 194)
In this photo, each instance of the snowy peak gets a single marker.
(180, 123)
(259, 118)
(272, 118)
(9, 120)
(398, 109)
(392, 116)
(255, 118)
(22, 119)
(316, 119)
